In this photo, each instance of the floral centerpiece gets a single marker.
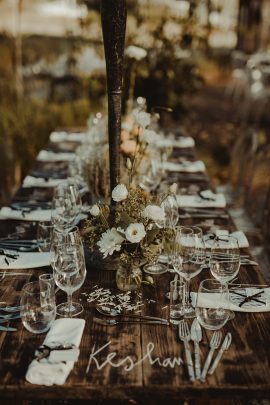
(126, 229)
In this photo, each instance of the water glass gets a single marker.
(37, 307)
(211, 302)
(44, 235)
(177, 297)
(47, 290)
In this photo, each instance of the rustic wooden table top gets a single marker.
(146, 364)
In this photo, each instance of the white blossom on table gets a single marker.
(110, 242)
(135, 232)
(119, 193)
(154, 212)
(94, 210)
(135, 52)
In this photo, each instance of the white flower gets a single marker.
(129, 164)
(173, 188)
(149, 136)
(119, 193)
(142, 118)
(110, 242)
(135, 233)
(135, 52)
(154, 212)
(95, 210)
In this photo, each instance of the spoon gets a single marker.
(113, 313)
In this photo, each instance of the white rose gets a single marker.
(142, 118)
(135, 52)
(173, 188)
(119, 193)
(154, 212)
(135, 233)
(149, 136)
(95, 211)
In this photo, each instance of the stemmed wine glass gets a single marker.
(66, 205)
(188, 259)
(69, 274)
(224, 259)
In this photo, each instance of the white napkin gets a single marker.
(194, 201)
(35, 215)
(48, 156)
(31, 181)
(25, 260)
(49, 371)
(182, 142)
(214, 301)
(187, 166)
(239, 235)
(62, 136)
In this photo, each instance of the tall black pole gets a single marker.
(113, 19)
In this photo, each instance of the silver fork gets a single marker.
(184, 335)
(214, 344)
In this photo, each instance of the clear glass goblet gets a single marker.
(69, 274)
(224, 260)
(189, 258)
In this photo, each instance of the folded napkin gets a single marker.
(55, 368)
(195, 201)
(35, 215)
(31, 181)
(28, 260)
(239, 235)
(259, 304)
(48, 156)
(187, 166)
(182, 142)
(62, 136)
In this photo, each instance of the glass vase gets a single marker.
(128, 277)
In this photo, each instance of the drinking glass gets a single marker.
(37, 307)
(69, 274)
(156, 267)
(189, 258)
(44, 235)
(66, 204)
(170, 206)
(211, 301)
(177, 296)
(69, 236)
(224, 259)
(47, 290)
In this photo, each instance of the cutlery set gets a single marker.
(196, 336)
(127, 318)
(7, 314)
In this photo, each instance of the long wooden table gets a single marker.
(151, 352)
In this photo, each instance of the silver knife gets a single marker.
(225, 346)
(7, 329)
(196, 336)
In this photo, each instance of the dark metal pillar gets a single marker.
(113, 19)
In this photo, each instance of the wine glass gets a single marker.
(189, 258)
(45, 231)
(66, 205)
(69, 274)
(224, 258)
(156, 267)
(211, 300)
